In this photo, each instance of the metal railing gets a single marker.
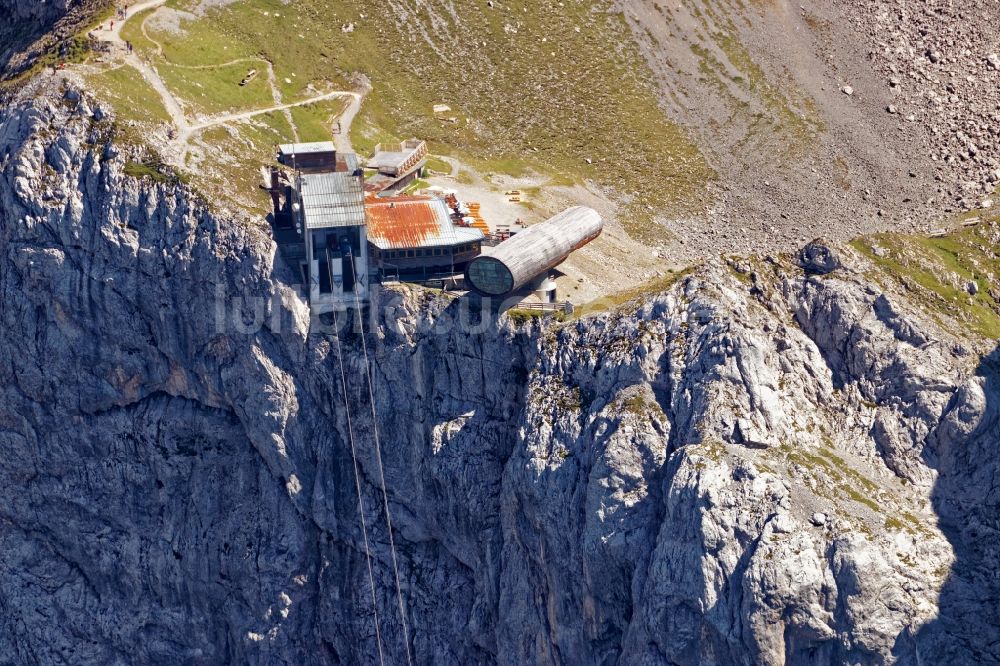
(391, 273)
(565, 307)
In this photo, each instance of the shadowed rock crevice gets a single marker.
(967, 501)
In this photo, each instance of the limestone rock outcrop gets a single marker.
(40, 13)
(29, 28)
(635, 487)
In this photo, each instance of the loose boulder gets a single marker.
(818, 258)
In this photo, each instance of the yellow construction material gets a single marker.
(477, 220)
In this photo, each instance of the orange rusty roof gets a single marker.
(409, 222)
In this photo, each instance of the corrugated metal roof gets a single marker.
(410, 222)
(378, 182)
(332, 200)
(348, 162)
(307, 148)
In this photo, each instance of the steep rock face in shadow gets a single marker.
(739, 470)
(23, 23)
(34, 13)
(963, 450)
(30, 28)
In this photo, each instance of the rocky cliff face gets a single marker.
(758, 465)
(29, 28)
(25, 20)
(34, 13)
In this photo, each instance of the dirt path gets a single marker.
(153, 78)
(113, 36)
(142, 29)
(246, 115)
(272, 82)
(115, 33)
(185, 129)
(342, 139)
(455, 165)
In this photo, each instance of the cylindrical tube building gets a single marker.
(533, 251)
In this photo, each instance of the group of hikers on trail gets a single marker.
(122, 14)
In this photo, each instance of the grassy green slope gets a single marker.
(936, 273)
(541, 85)
(218, 90)
(132, 97)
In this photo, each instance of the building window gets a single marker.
(409, 253)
